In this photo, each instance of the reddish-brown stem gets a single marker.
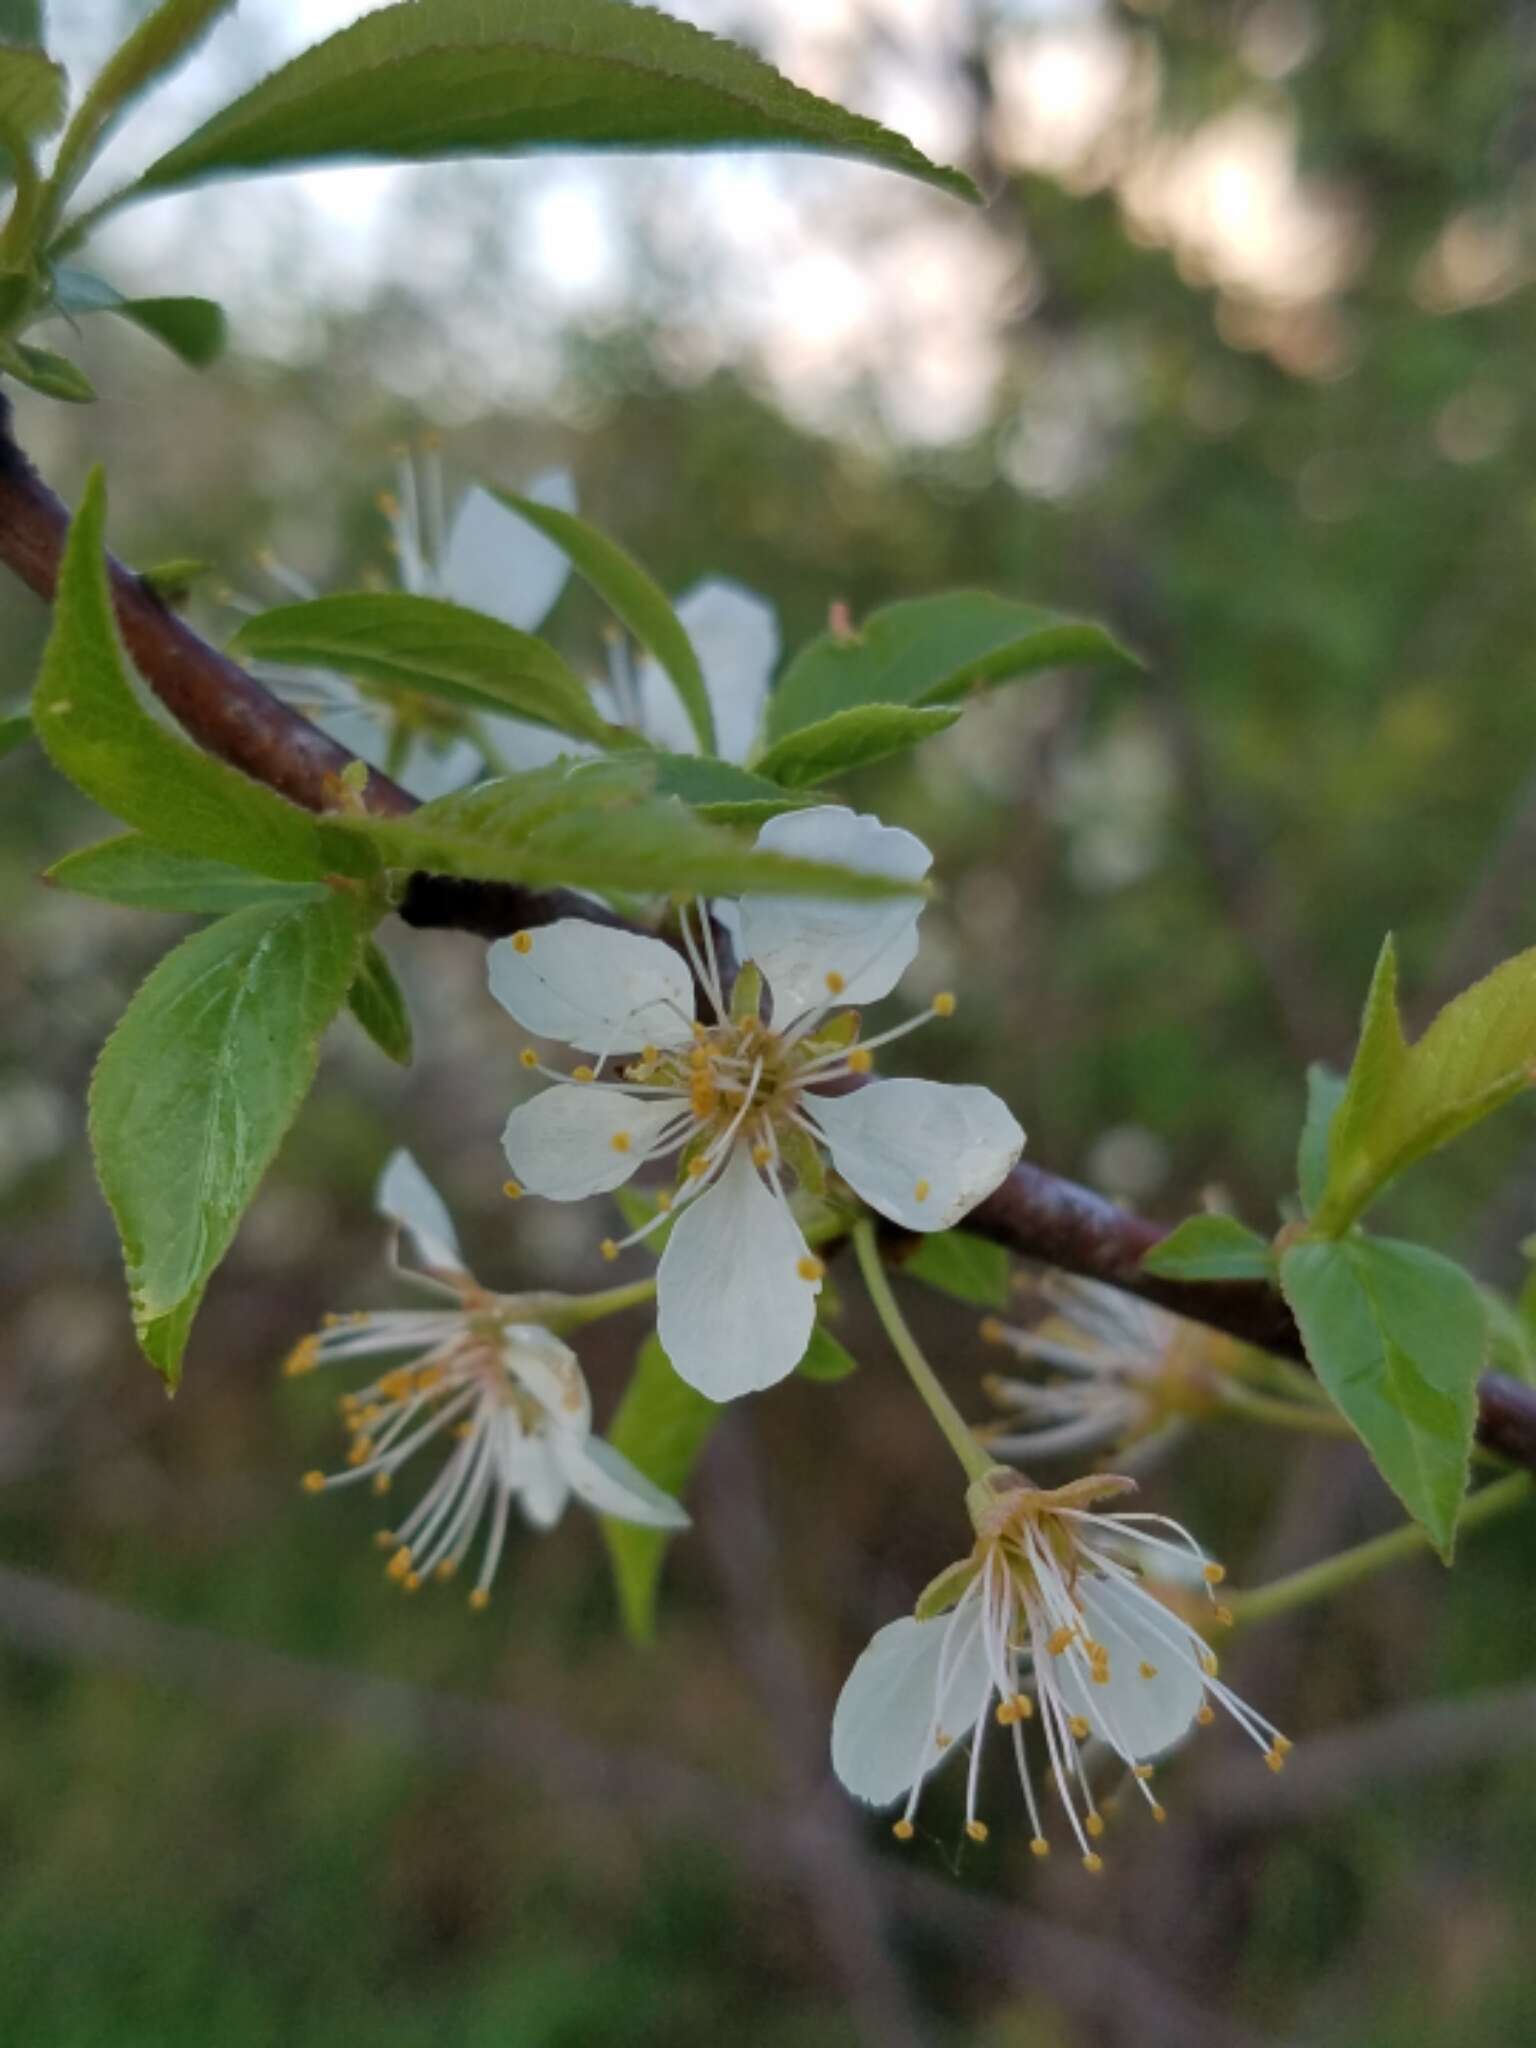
(1034, 1213)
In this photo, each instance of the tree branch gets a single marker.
(1033, 1213)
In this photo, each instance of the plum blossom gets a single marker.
(1125, 1372)
(484, 1373)
(741, 1100)
(1050, 1620)
(489, 559)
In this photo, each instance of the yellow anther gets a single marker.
(1095, 1825)
(1147, 1670)
(360, 1451)
(314, 1482)
(992, 1331)
(861, 1060)
(384, 1539)
(304, 1357)
(522, 942)
(620, 1141)
(697, 1168)
(400, 1564)
(1222, 1617)
(329, 1322)
(977, 1830)
(528, 1058)
(1023, 1707)
(1039, 1846)
(762, 1155)
(608, 1248)
(835, 983)
(941, 1740)
(1006, 1715)
(922, 1191)
(1205, 1713)
(1060, 1640)
(513, 1190)
(1274, 1759)
(649, 1056)
(1079, 1727)
(664, 1200)
(382, 1482)
(810, 1267)
(1283, 1745)
(1159, 1813)
(1093, 1863)
(446, 1570)
(412, 1582)
(1214, 1574)
(583, 1074)
(1141, 1771)
(944, 1004)
(903, 1829)
(480, 1599)
(1209, 1662)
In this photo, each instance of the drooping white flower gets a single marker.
(1050, 1620)
(1125, 1372)
(742, 1099)
(483, 1371)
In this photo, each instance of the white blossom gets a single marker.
(741, 1099)
(1050, 1624)
(1123, 1372)
(481, 1372)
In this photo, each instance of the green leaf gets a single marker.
(825, 1358)
(133, 870)
(595, 826)
(15, 731)
(378, 1003)
(957, 1262)
(722, 792)
(632, 597)
(429, 645)
(849, 739)
(33, 93)
(1404, 1102)
(1325, 1091)
(95, 731)
(198, 1083)
(1210, 1248)
(445, 78)
(927, 650)
(42, 371)
(165, 36)
(1397, 1335)
(662, 1426)
(193, 329)
(21, 21)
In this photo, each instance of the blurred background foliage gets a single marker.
(1238, 359)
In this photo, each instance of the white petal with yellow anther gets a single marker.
(815, 950)
(576, 1139)
(921, 1152)
(736, 1291)
(408, 1198)
(1151, 1693)
(601, 991)
(605, 1481)
(894, 1722)
(495, 562)
(736, 637)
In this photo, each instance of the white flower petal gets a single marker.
(734, 1312)
(1141, 1716)
(606, 1480)
(799, 941)
(549, 1371)
(496, 562)
(518, 744)
(408, 1198)
(579, 1139)
(540, 1484)
(602, 991)
(921, 1152)
(883, 1729)
(736, 637)
(430, 770)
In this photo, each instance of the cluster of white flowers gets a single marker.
(739, 1061)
